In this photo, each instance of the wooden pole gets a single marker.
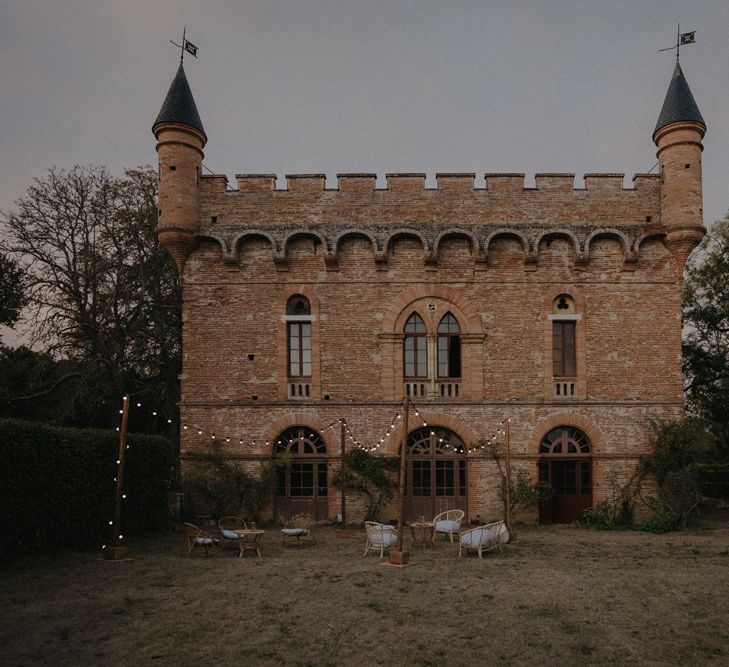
(342, 425)
(400, 557)
(116, 551)
(507, 446)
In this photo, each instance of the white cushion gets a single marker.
(295, 532)
(473, 538)
(387, 538)
(231, 535)
(504, 534)
(447, 526)
(203, 541)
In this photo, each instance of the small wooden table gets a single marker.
(422, 532)
(250, 540)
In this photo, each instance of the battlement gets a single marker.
(445, 182)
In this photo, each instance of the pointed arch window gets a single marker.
(449, 347)
(416, 348)
(298, 336)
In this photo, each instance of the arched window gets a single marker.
(564, 350)
(301, 484)
(449, 347)
(416, 355)
(298, 335)
(298, 304)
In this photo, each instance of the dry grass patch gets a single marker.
(555, 597)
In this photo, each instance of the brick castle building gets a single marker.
(556, 307)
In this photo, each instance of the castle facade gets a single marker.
(312, 315)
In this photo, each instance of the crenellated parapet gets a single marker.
(503, 207)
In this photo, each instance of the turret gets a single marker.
(180, 142)
(678, 134)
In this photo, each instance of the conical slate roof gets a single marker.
(679, 103)
(179, 105)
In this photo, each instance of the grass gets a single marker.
(557, 596)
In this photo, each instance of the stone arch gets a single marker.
(475, 247)
(301, 419)
(566, 418)
(465, 311)
(304, 233)
(648, 236)
(564, 233)
(405, 232)
(505, 231)
(440, 419)
(224, 248)
(339, 238)
(609, 233)
(251, 233)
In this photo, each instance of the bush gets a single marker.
(616, 511)
(678, 450)
(660, 521)
(57, 485)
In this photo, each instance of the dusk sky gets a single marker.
(304, 86)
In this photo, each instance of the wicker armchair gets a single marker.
(197, 537)
(379, 536)
(448, 522)
(298, 529)
(481, 538)
(226, 526)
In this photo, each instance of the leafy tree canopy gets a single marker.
(12, 298)
(706, 344)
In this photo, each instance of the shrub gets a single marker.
(678, 449)
(57, 485)
(616, 511)
(660, 521)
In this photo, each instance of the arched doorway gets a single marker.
(565, 463)
(301, 487)
(436, 473)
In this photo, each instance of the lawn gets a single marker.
(556, 596)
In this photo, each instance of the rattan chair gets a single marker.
(448, 522)
(226, 527)
(298, 529)
(197, 537)
(379, 536)
(481, 538)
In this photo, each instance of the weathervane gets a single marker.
(188, 46)
(681, 39)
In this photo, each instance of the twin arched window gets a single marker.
(448, 348)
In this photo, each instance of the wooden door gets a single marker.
(302, 487)
(567, 466)
(436, 473)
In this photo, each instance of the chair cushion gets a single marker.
(473, 538)
(231, 535)
(204, 541)
(447, 526)
(387, 539)
(295, 532)
(504, 534)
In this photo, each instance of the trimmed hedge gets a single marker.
(57, 485)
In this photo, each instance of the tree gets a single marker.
(678, 448)
(706, 344)
(12, 298)
(102, 292)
